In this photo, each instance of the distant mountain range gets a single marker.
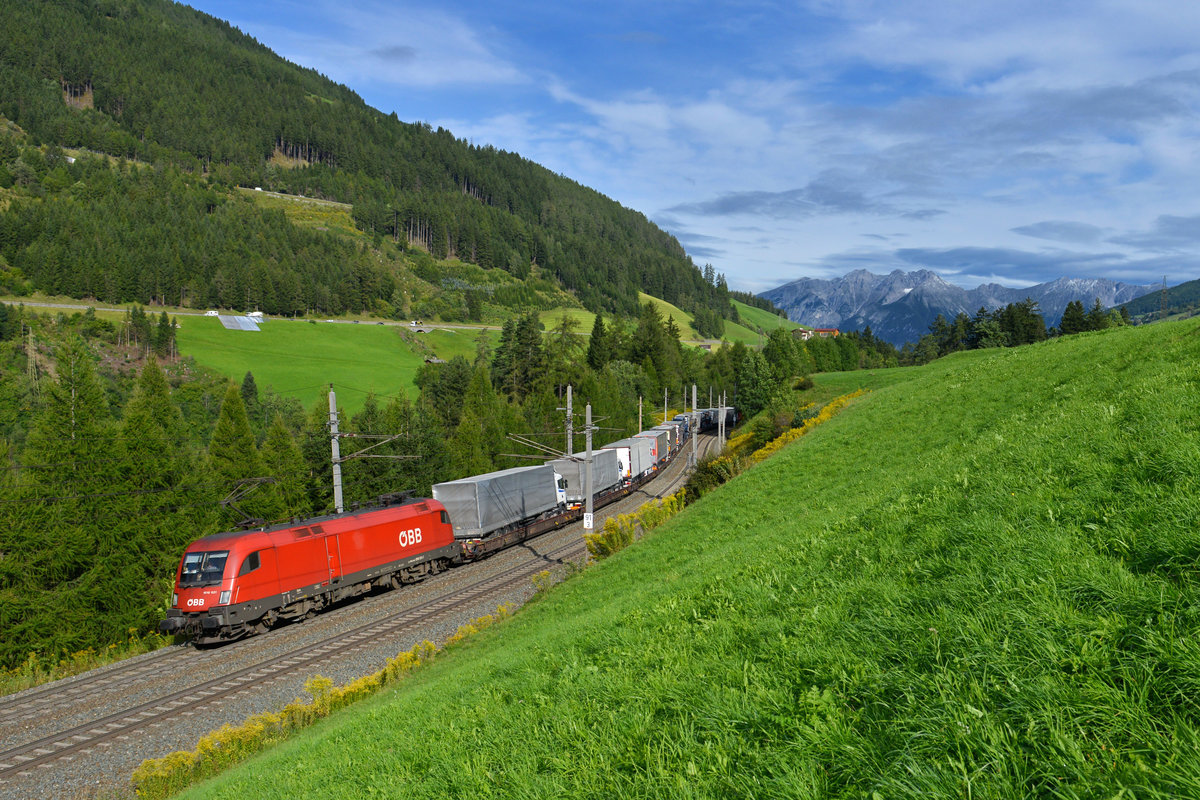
(900, 306)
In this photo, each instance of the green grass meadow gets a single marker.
(309, 212)
(978, 581)
(584, 319)
(301, 359)
(828, 385)
(681, 317)
(753, 318)
(745, 331)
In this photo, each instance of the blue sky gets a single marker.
(1014, 142)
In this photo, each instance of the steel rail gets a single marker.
(79, 739)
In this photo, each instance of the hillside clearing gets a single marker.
(300, 359)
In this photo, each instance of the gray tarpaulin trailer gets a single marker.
(662, 441)
(482, 504)
(638, 455)
(674, 429)
(606, 473)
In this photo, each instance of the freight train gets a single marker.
(234, 584)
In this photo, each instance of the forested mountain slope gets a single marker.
(1181, 299)
(212, 109)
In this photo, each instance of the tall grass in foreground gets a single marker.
(981, 582)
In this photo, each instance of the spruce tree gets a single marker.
(469, 446)
(250, 396)
(1073, 319)
(504, 371)
(481, 430)
(598, 346)
(366, 478)
(282, 459)
(529, 362)
(1097, 317)
(315, 447)
(231, 452)
(164, 336)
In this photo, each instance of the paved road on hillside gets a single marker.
(424, 327)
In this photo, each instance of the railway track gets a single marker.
(65, 741)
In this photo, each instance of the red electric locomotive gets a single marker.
(233, 584)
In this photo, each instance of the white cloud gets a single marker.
(380, 42)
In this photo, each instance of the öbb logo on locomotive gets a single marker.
(234, 584)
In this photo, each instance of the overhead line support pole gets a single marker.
(694, 428)
(570, 425)
(337, 455)
(587, 470)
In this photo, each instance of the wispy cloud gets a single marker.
(1062, 231)
(381, 43)
(1168, 234)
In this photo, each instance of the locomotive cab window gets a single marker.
(250, 564)
(203, 569)
(445, 518)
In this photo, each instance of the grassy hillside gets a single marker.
(752, 318)
(979, 582)
(309, 212)
(668, 310)
(584, 319)
(301, 359)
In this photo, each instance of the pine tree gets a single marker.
(365, 479)
(315, 447)
(164, 336)
(423, 440)
(481, 431)
(249, 392)
(529, 360)
(282, 460)
(598, 345)
(164, 503)
(469, 446)
(231, 452)
(504, 370)
(1073, 319)
(1097, 317)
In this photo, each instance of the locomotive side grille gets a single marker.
(302, 532)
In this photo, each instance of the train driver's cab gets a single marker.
(203, 569)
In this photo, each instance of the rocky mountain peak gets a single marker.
(901, 305)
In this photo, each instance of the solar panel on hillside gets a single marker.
(238, 323)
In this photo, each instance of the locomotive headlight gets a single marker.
(224, 598)
(174, 599)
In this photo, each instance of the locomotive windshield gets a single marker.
(203, 569)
